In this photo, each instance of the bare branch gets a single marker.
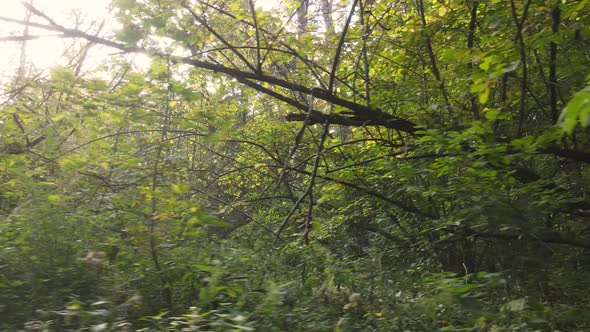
(376, 119)
(220, 37)
(336, 60)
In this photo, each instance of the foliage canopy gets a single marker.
(321, 166)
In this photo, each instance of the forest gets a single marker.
(297, 165)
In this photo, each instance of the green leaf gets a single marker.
(492, 115)
(484, 95)
(54, 198)
(75, 306)
(577, 111)
(206, 268)
(487, 62)
(62, 74)
(212, 221)
(181, 188)
(159, 68)
(125, 4)
(526, 144)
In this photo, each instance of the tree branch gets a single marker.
(361, 113)
(371, 119)
(204, 23)
(405, 207)
(339, 47)
(312, 177)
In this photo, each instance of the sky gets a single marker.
(47, 52)
(44, 52)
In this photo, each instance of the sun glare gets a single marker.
(46, 49)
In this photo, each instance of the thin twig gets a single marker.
(357, 109)
(312, 178)
(555, 20)
(336, 60)
(257, 30)
(219, 36)
(470, 44)
(523, 61)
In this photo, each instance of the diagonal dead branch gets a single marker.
(359, 111)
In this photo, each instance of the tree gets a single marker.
(415, 133)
